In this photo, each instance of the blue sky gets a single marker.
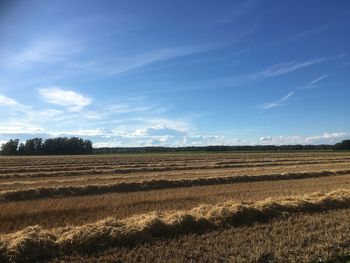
(175, 73)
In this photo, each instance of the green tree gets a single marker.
(344, 145)
(33, 146)
(10, 147)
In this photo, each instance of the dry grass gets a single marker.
(52, 212)
(36, 193)
(321, 237)
(143, 196)
(61, 181)
(22, 178)
(59, 166)
(35, 243)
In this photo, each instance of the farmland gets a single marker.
(176, 207)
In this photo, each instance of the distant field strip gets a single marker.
(78, 171)
(36, 243)
(66, 191)
(61, 166)
(131, 168)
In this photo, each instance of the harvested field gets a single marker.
(59, 203)
(299, 238)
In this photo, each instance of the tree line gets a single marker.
(53, 146)
(344, 145)
(75, 145)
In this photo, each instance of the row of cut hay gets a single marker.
(112, 160)
(113, 170)
(35, 243)
(95, 189)
(109, 166)
(21, 170)
(83, 168)
(296, 160)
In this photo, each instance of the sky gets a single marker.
(175, 73)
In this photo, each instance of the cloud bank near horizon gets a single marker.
(171, 137)
(140, 122)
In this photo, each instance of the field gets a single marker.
(176, 207)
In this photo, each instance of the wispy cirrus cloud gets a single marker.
(276, 103)
(287, 67)
(130, 63)
(72, 100)
(66, 55)
(310, 32)
(312, 83)
(46, 51)
(61, 54)
(280, 102)
(238, 11)
(50, 50)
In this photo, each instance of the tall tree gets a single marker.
(10, 147)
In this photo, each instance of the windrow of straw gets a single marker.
(96, 189)
(35, 243)
(77, 171)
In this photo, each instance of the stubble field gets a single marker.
(178, 207)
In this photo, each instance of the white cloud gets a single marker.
(67, 98)
(21, 131)
(6, 101)
(18, 114)
(159, 130)
(330, 137)
(130, 118)
(102, 132)
(44, 114)
(12, 106)
(16, 128)
(161, 136)
(325, 138)
(280, 102)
